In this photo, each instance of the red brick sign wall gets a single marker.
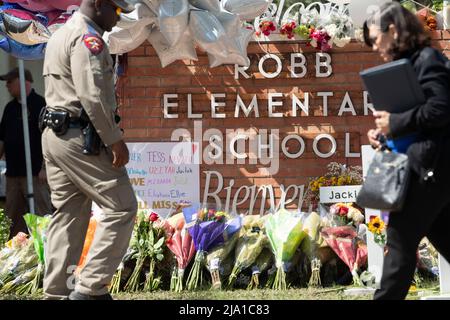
(337, 107)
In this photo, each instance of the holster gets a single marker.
(92, 143)
(58, 121)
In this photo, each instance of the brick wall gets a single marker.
(142, 91)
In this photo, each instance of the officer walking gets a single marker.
(79, 80)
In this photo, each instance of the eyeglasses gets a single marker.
(118, 9)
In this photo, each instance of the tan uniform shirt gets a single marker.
(78, 72)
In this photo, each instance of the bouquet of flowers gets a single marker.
(428, 258)
(251, 242)
(179, 241)
(336, 175)
(343, 241)
(287, 29)
(427, 19)
(262, 263)
(5, 225)
(345, 214)
(215, 258)
(20, 259)
(37, 227)
(146, 244)
(377, 226)
(320, 39)
(284, 230)
(208, 228)
(266, 27)
(310, 245)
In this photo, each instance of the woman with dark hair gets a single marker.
(424, 133)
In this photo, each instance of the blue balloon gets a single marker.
(21, 51)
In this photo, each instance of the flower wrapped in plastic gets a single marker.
(208, 228)
(179, 241)
(343, 240)
(37, 227)
(262, 263)
(215, 258)
(311, 244)
(21, 261)
(251, 242)
(284, 230)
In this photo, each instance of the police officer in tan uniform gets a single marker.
(79, 80)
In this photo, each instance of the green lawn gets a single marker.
(335, 293)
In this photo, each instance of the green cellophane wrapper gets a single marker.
(251, 242)
(284, 230)
(216, 257)
(37, 226)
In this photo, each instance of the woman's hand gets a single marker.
(382, 121)
(373, 135)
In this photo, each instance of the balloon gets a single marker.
(210, 5)
(24, 27)
(34, 5)
(237, 53)
(361, 9)
(173, 19)
(248, 9)
(124, 40)
(184, 49)
(64, 4)
(21, 51)
(141, 15)
(232, 58)
(152, 4)
(208, 32)
(230, 22)
(58, 22)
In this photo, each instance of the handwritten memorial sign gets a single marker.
(163, 174)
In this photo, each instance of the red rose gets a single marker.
(153, 217)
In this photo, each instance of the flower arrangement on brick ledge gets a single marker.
(321, 27)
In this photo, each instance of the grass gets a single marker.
(333, 293)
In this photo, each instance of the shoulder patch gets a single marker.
(94, 43)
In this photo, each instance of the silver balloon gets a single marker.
(230, 22)
(141, 15)
(152, 4)
(173, 19)
(210, 5)
(237, 50)
(184, 49)
(361, 9)
(231, 58)
(208, 32)
(125, 40)
(247, 9)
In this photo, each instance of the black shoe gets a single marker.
(75, 295)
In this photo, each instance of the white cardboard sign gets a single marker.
(162, 175)
(339, 194)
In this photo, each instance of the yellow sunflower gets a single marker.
(376, 225)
